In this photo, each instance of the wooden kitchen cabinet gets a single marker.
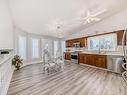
(69, 43)
(67, 56)
(81, 58)
(85, 59)
(82, 41)
(89, 59)
(93, 60)
(119, 36)
(101, 61)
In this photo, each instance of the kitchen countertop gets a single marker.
(103, 53)
(110, 53)
(5, 57)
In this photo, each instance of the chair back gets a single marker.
(46, 56)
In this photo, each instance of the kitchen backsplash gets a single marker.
(118, 49)
(76, 49)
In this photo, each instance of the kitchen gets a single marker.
(103, 51)
(63, 47)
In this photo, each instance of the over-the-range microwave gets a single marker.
(76, 45)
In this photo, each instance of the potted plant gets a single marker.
(17, 62)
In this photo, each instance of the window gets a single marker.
(55, 47)
(35, 48)
(104, 42)
(93, 43)
(63, 46)
(22, 47)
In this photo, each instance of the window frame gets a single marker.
(99, 38)
(55, 50)
(25, 47)
(31, 49)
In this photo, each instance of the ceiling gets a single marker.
(43, 16)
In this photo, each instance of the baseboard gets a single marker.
(30, 63)
(99, 68)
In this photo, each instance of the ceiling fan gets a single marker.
(92, 17)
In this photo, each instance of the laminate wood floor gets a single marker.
(73, 80)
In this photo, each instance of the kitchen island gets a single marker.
(6, 71)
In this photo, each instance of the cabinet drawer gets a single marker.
(67, 56)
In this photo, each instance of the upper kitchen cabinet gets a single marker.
(82, 41)
(69, 43)
(119, 36)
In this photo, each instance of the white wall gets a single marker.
(115, 22)
(6, 26)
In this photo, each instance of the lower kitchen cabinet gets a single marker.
(101, 61)
(90, 59)
(94, 60)
(81, 58)
(67, 56)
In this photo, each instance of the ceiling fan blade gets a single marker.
(95, 19)
(88, 20)
(100, 12)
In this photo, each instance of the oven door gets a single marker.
(74, 58)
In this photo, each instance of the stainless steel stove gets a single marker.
(74, 56)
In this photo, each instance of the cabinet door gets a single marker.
(67, 56)
(86, 59)
(81, 58)
(101, 61)
(70, 42)
(92, 60)
(83, 42)
(119, 37)
(67, 44)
